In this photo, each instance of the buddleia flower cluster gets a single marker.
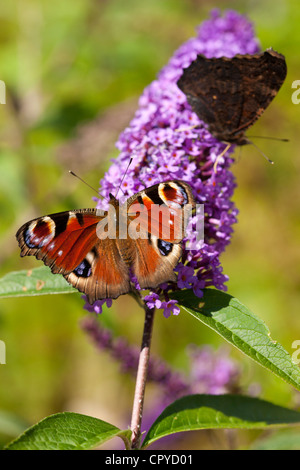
(167, 141)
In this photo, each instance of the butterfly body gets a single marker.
(99, 252)
(230, 94)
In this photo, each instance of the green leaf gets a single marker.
(195, 412)
(67, 431)
(38, 281)
(240, 327)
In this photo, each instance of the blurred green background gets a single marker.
(74, 72)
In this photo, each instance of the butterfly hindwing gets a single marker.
(102, 274)
(154, 261)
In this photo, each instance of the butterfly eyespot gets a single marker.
(173, 194)
(39, 233)
(83, 269)
(164, 247)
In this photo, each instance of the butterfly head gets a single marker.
(113, 200)
(240, 140)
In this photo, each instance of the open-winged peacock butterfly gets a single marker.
(101, 263)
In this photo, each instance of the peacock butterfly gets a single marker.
(230, 94)
(94, 250)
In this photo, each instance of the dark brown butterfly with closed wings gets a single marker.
(230, 94)
(101, 262)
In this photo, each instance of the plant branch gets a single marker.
(138, 402)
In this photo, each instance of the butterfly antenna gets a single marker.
(267, 137)
(220, 156)
(130, 161)
(74, 174)
(239, 157)
(262, 153)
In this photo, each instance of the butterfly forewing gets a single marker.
(163, 222)
(61, 240)
(162, 211)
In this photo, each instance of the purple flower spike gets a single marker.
(165, 144)
(212, 372)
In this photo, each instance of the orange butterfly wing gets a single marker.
(159, 211)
